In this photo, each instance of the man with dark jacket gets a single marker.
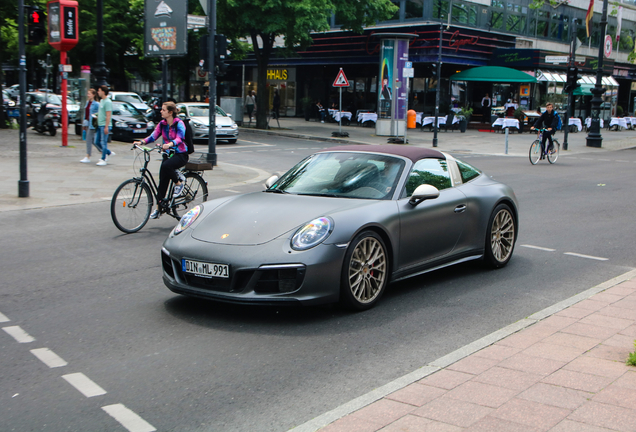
(549, 121)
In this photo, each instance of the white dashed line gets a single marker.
(48, 357)
(586, 256)
(3, 318)
(84, 385)
(539, 248)
(19, 334)
(128, 418)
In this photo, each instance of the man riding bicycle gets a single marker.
(549, 121)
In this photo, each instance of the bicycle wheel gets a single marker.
(131, 205)
(554, 155)
(194, 193)
(535, 152)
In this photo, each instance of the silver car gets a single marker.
(199, 115)
(340, 226)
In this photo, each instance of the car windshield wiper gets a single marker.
(276, 191)
(332, 195)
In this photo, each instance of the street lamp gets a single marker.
(101, 72)
(437, 90)
(594, 138)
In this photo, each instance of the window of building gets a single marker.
(440, 10)
(413, 9)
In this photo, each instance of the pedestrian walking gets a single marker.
(250, 103)
(103, 124)
(485, 108)
(276, 104)
(92, 107)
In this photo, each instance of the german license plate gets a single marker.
(139, 130)
(55, 124)
(204, 269)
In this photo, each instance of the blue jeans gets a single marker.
(101, 141)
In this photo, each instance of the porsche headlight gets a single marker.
(312, 234)
(188, 219)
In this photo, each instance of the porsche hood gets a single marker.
(260, 217)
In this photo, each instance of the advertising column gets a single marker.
(392, 94)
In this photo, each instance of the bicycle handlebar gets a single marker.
(144, 148)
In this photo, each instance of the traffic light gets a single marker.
(434, 69)
(35, 25)
(220, 52)
(204, 60)
(572, 79)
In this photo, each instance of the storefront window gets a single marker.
(413, 9)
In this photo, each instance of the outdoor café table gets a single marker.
(576, 122)
(418, 117)
(618, 121)
(506, 122)
(345, 114)
(631, 122)
(366, 116)
(441, 120)
(588, 122)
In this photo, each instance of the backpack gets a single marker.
(559, 122)
(188, 136)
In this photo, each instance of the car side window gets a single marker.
(428, 171)
(467, 172)
(183, 110)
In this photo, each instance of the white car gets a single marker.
(199, 115)
(132, 98)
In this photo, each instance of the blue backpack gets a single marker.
(560, 123)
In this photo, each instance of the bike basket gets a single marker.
(198, 162)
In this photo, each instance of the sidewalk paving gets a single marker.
(560, 370)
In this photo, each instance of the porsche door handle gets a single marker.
(460, 208)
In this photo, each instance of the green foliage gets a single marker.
(631, 360)
(466, 112)
(519, 114)
(619, 110)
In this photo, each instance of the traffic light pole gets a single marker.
(594, 138)
(212, 82)
(572, 86)
(437, 90)
(23, 183)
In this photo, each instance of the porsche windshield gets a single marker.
(343, 174)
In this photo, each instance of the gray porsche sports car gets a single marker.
(341, 225)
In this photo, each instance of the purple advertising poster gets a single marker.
(400, 81)
(387, 55)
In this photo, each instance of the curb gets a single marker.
(453, 357)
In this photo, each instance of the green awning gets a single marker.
(494, 74)
(584, 90)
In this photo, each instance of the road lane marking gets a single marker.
(231, 190)
(538, 248)
(586, 256)
(3, 318)
(128, 419)
(48, 357)
(19, 334)
(84, 385)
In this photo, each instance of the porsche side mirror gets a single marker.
(270, 181)
(423, 192)
(182, 115)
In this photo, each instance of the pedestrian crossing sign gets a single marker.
(341, 80)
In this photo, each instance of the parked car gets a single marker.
(340, 226)
(132, 98)
(199, 115)
(128, 124)
(72, 106)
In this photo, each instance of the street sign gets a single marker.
(196, 21)
(408, 72)
(341, 80)
(607, 49)
(557, 59)
(408, 65)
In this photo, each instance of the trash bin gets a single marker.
(411, 117)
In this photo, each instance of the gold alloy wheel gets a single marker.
(367, 270)
(502, 235)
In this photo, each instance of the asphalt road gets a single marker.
(95, 298)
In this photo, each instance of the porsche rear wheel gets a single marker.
(365, 272)
(502, 234)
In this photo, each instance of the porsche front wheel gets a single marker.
(365, 272)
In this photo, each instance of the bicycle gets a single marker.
(537, 153)
(132, 201)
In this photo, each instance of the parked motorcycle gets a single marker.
(46, 119)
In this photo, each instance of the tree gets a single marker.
(263, 20)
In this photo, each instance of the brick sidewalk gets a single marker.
(565, 371)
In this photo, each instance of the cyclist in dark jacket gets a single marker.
(549, 121)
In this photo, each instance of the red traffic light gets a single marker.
(35, 17)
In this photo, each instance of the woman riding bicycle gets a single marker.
(549, 121)
(172, 130)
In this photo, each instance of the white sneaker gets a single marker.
(322, 121)
(85, 160)
(102, 162)
(181, 176)
(112, 153)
